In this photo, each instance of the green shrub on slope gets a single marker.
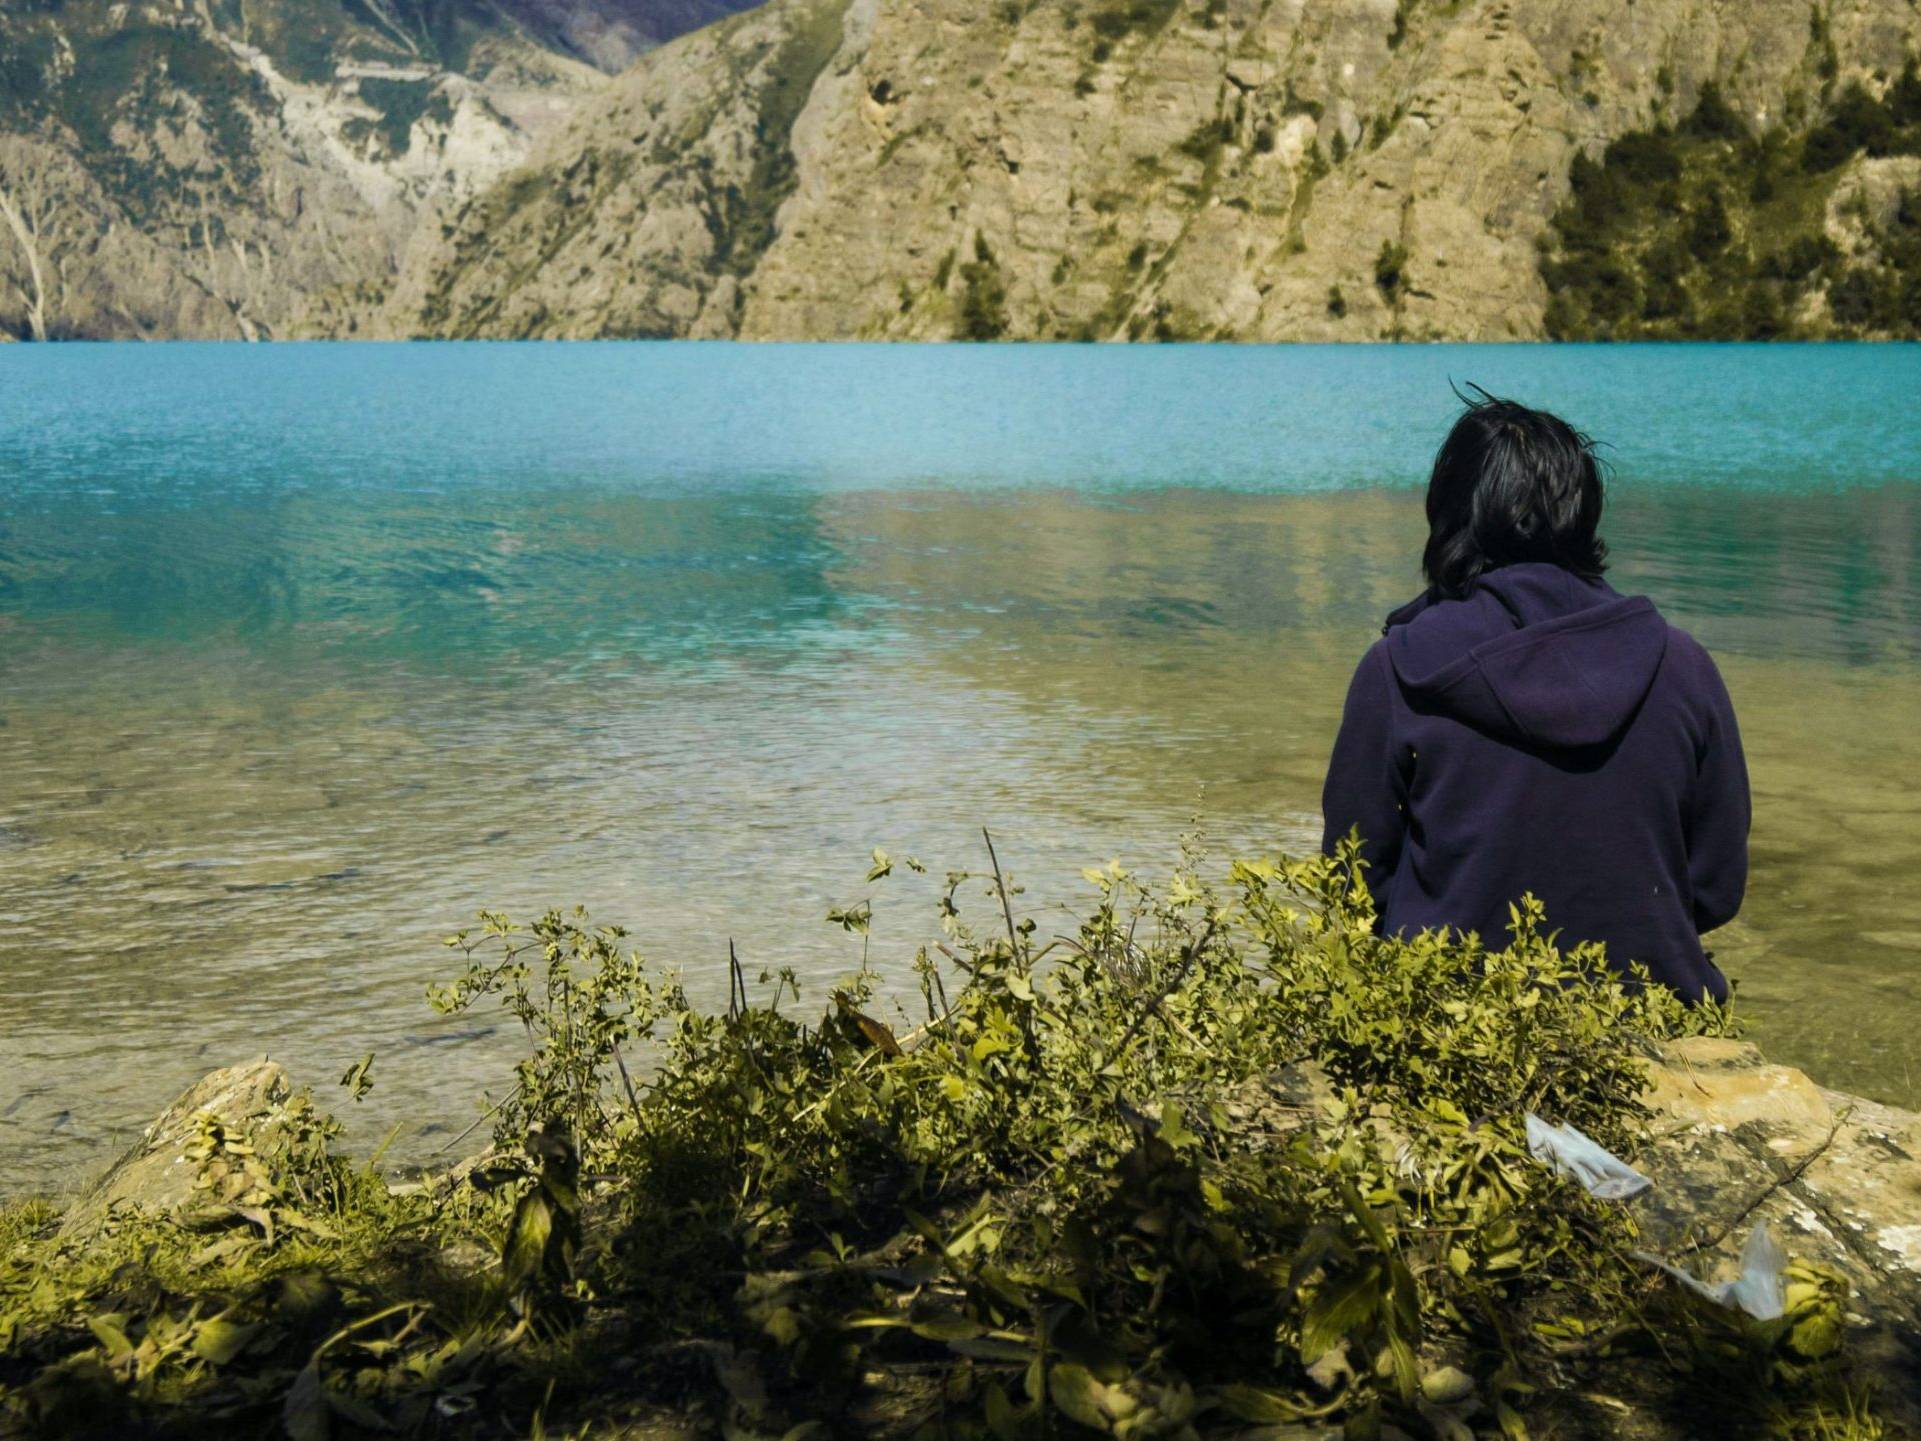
(1709, 230)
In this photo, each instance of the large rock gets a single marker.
(251, 172)
(1837, 1179)
(1734, 1141)
(1738, 1140)
(155, 1174)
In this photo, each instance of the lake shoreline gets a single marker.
(1183, 1163)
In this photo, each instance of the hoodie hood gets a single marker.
(1534, 654)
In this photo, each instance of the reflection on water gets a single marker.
(265, 744)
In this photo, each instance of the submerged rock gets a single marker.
(155, 1173)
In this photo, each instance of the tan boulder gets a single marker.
(155, 1174)
(1737, 1141)
(1710, 1081)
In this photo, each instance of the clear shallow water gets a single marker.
(309, 652)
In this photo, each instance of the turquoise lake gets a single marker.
(310, 652)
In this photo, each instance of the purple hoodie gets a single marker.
(1547, 734)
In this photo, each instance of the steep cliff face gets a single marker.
(647, 212)
(259, 168)
(1249, 169)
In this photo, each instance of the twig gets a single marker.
(1007, 910)
(374, 1160)
(859, 1066)
(362, 1324)
(484, 1117)
(947, 1010)
(956, 957)
(626, 1080)
(911, 1040)
(1693, 1079)
(1528, 1099)
(1188, 957)
(1173, 1023)
(1179, 1027)
(1793, 1174)
(736, 983)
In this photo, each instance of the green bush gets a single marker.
(1857, 122)
(1860, 297)
(1764, 313)
(401, 103)
(1390, 271)
(1593, 288)
(1645, 158)
(1904, 96)
(1710, 231)
(1116, 21)
(1713, 118)
(1207, 138)
(983, 305)
(1214, 1156)
(1599, 196)
(1802, 259)
(1399, 31)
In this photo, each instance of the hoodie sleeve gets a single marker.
(1367, 776)
(1718, 813)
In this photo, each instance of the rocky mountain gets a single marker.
(261, 168)
(1245, 169)
(610, 34)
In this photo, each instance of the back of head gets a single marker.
(1511, 484)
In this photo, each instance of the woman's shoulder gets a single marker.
(1406, 614)
(1693, 673)
(1684, 648)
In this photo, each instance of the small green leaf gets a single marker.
(948, 1328)
(110, 1331)
(219, 1340)
(304, 1414)
(1076, 1393)
(359, 1077)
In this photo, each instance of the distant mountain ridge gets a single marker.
(934, 169)
(260, 167)
(1217, 169)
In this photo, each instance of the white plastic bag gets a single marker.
(1570, 1153)
(1757, 1290)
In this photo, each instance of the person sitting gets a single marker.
(1521, 727)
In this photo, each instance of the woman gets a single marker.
(1522, 727)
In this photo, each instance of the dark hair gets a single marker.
(1511, 484)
